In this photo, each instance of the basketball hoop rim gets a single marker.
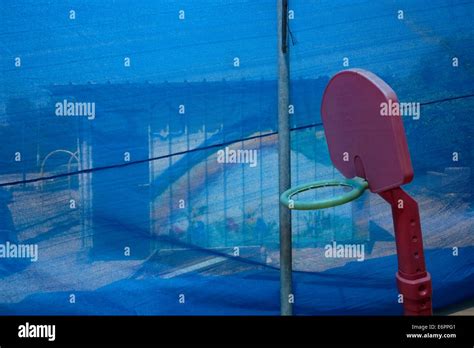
(357, 184)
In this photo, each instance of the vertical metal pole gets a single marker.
(286, 281)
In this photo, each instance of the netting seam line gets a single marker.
(166, 239)
(448, 99)
(90, 170)
(203, 148)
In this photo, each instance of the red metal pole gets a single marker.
(413, 281)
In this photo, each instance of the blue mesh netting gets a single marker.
(131, 209)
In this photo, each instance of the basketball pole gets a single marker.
(284, 164)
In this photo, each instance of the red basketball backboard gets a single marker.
(361, 141)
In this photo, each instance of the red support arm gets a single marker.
(413, 281)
